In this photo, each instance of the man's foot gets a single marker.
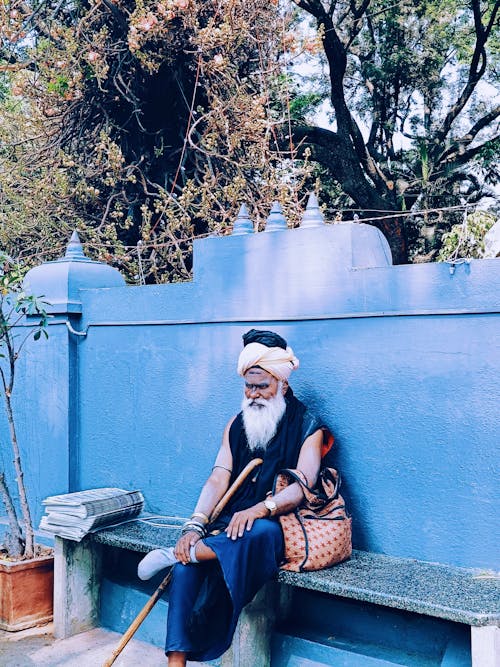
(154, 562)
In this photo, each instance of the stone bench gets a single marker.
(445, 592)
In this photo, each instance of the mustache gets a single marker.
(253, 402)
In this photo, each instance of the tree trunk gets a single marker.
(335, 154)
(29, 550)
(14, 541)
(394, 231)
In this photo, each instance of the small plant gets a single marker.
(14, 306)
(467, 239)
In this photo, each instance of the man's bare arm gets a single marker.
(309, 463)
(213, 490)
(218, 482)
(287, 500)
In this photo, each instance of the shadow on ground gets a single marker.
(38, 648)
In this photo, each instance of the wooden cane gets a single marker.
(130, 632)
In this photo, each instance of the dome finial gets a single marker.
(312, 215)
(74, 249)
(243, 224)
(276, 221)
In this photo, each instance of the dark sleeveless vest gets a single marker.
(282, 451)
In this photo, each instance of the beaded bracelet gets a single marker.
(200, 515)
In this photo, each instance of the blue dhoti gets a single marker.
(205, 599)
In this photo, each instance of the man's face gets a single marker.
(263, 406)
(260, 386)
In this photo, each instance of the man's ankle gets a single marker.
(155, 561)
(176, 659)
(192, 554)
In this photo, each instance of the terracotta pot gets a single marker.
(26, 593)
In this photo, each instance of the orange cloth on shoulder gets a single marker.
(328, 441)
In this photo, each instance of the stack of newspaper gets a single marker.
(73, 515)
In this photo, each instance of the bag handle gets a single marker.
(314, 495)
(332, 475)
(299, 477)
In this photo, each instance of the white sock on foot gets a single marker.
(154, 562)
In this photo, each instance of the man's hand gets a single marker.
(244, 520)
(184, 543)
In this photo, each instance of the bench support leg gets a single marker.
(77, 576)
(485, 644)
(251, 645)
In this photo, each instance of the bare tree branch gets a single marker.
(476, 70)
(458, 145)
(464, 157)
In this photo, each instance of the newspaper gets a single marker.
(74, 515)
(92, 502)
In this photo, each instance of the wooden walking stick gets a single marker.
(164, 584)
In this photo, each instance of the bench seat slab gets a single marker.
(453, 593)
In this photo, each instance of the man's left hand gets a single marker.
(244, 520)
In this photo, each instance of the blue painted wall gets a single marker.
(42, 405)
(402, 362)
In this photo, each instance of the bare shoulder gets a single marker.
(230, 423)
(314, 440)
(225, 435)
(224, 457)
(310, 456)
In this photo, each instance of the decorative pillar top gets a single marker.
(276, 220)
(61, 280)
(74, 250)
(313, 217)
(243, 224)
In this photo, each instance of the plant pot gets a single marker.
(26, 593)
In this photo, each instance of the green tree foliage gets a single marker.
(418, 77)
(466, 240)
(150, 121)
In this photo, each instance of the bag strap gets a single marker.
(333, 476)
(299, 477)
(320, 493)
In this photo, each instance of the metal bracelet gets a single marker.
(191, 526)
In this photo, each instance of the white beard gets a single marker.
(261, 418)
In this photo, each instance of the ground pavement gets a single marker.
(38, 648)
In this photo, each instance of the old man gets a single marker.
(219, 567)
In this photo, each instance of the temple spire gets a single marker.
(74, 249)
(243, 224)
(276, 220)
(313, 217)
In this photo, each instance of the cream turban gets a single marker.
(275, 360)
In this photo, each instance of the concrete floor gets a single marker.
(38, 648)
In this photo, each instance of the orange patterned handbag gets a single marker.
(318, 532)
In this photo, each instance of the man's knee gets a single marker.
(185, 574)
(263, 528)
